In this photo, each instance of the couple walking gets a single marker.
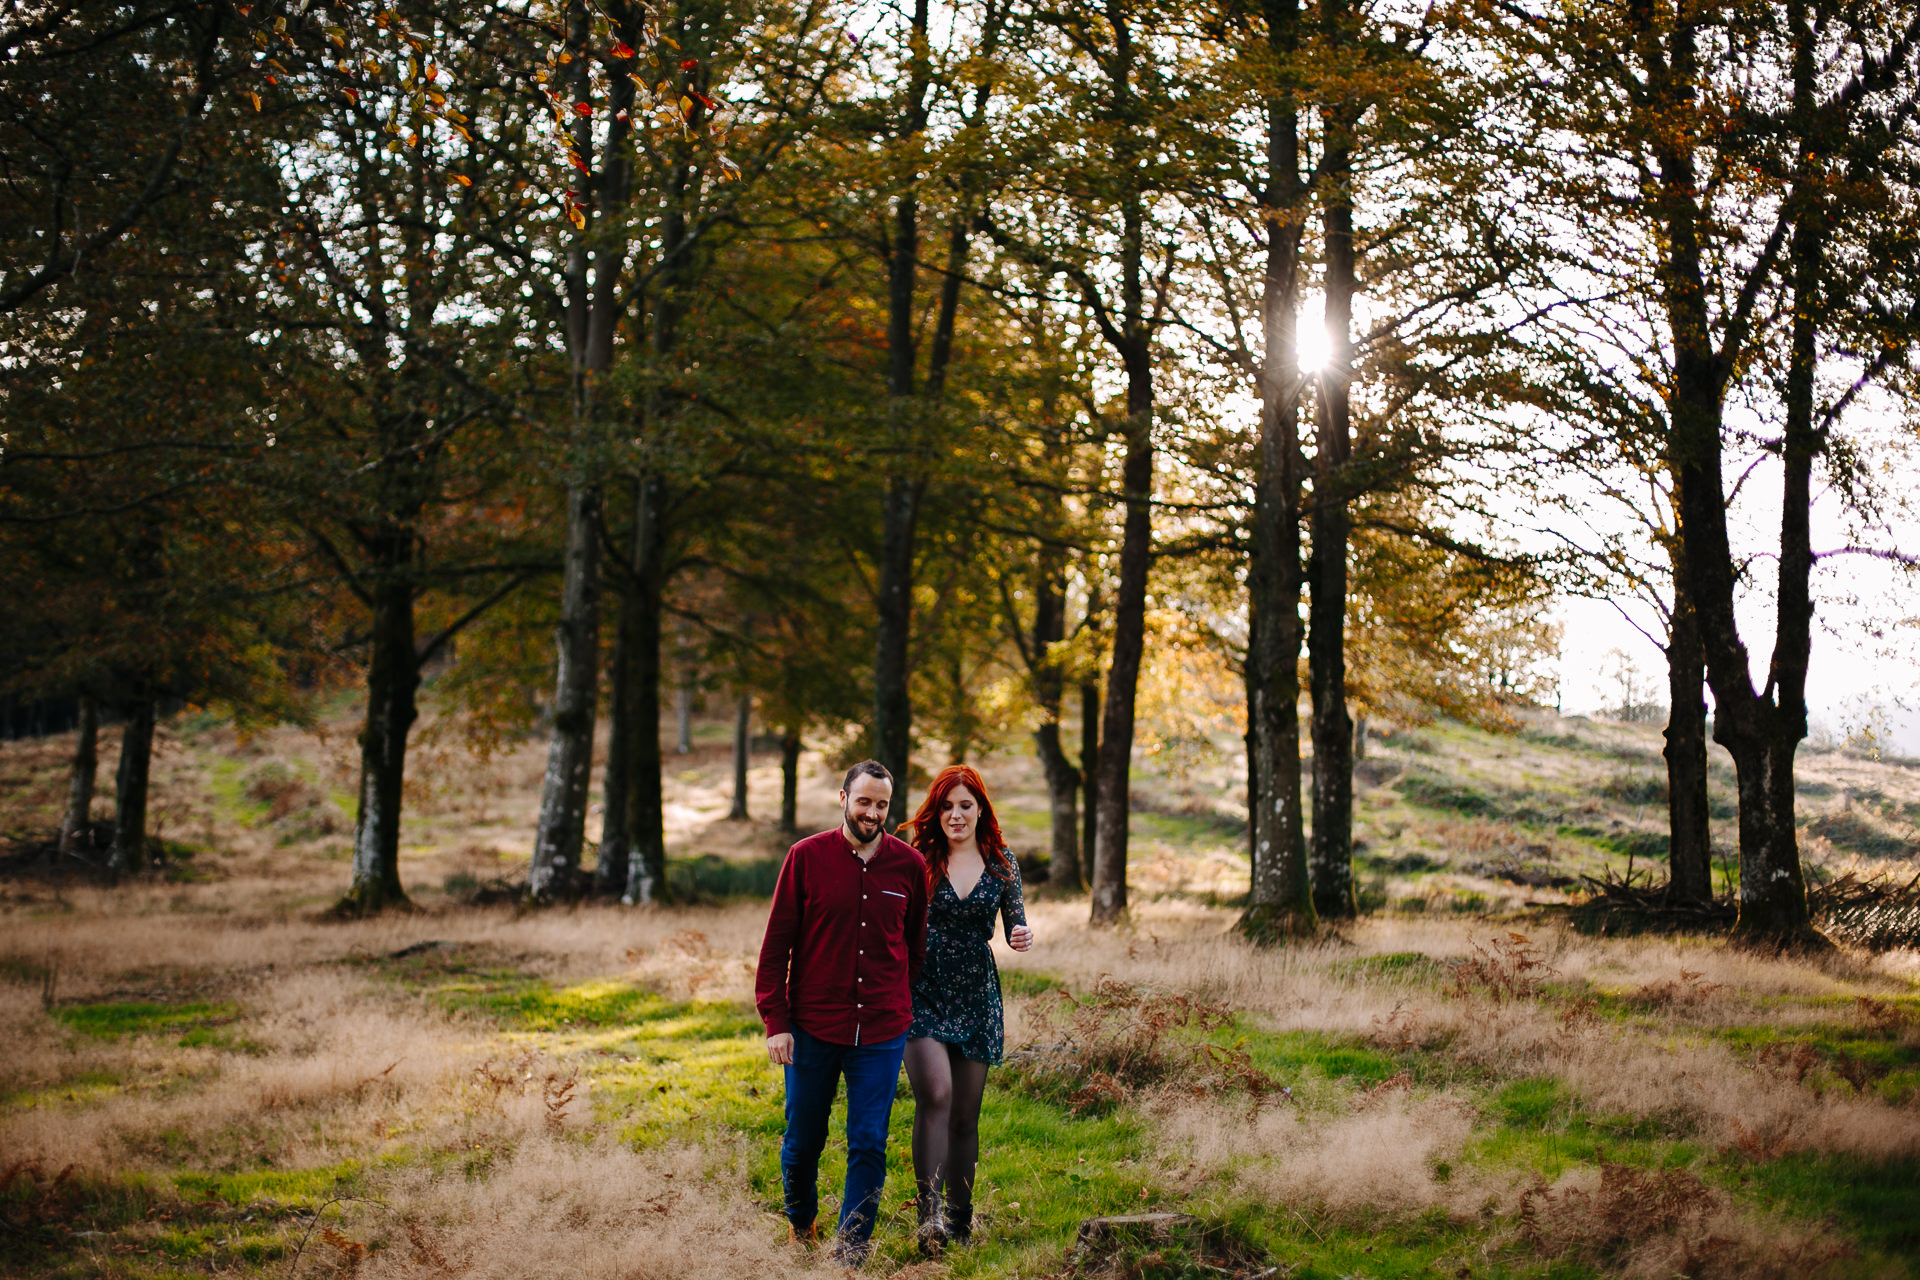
(876, 951)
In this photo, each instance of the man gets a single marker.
(845, 939)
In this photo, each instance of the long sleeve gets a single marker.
(917, 930)
(776, 949)
(1013, 905)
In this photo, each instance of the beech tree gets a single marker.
(1715, 142)
(1097, 219)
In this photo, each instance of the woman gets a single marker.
(957, 1032)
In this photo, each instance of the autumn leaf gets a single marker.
(621, 50)
(576, 217)
(353, 96)
(254, 98)
(462, 179)
(583, 108)
(688, 64)
(705, 101)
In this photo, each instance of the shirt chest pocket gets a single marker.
(889, 907)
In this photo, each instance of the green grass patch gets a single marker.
(711, 878)
(1432, 791)
(306, 1188)
(1027, 982)
(111, 1021)
(1878, 1205)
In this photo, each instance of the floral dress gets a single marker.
(957, 997)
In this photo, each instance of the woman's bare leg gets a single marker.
(967, 1088)
(931, 1077)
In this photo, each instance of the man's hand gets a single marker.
(780, 1049)
(1021, 938)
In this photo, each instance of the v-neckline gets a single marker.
(955, 890)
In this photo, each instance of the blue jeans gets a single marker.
(813, 1077)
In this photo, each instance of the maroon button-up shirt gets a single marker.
(844, 942)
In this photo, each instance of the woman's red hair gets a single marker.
(930, 838)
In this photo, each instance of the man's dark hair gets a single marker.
(872, 768)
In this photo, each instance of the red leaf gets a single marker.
(621, 50)
(705, 101)
(579, 164)
(688, 64)
(583, 108)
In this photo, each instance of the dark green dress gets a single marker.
(957, 997)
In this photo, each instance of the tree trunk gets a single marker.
(644, 877)
(892, 705)
(742, 744)
(683, 714)
(1279, 900)
(1089, 772)
(1760, 730)
(564, 790)
(130, 789)
(595, 305)
(900, 506)
(1689, 840)
(76, 829)
(610, 866)
(393, 680)
(1049, 687)
(1129, 642)
(1332, 842)
(790, 781)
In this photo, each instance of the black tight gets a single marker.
(947, 1088)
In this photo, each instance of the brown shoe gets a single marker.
(808, 1235)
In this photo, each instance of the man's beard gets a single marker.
(865, 829)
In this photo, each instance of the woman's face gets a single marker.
(959, 813)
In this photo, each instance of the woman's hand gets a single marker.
(1021, 938)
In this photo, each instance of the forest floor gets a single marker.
(205, 1073)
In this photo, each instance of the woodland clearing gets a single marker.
(208, 1074)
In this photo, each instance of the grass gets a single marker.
(590, 1083)
(193, 1022)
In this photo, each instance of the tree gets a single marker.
(1718, 204)
(1114, 241)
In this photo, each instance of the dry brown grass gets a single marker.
(326, 1063)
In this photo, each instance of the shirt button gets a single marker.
(859, 1006)
(863, 897)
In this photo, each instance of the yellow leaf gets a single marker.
(578, 218)
(462, 179)
(686, 103)
(255, 98)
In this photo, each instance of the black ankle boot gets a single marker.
(960, 1223)
(932, 1235)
